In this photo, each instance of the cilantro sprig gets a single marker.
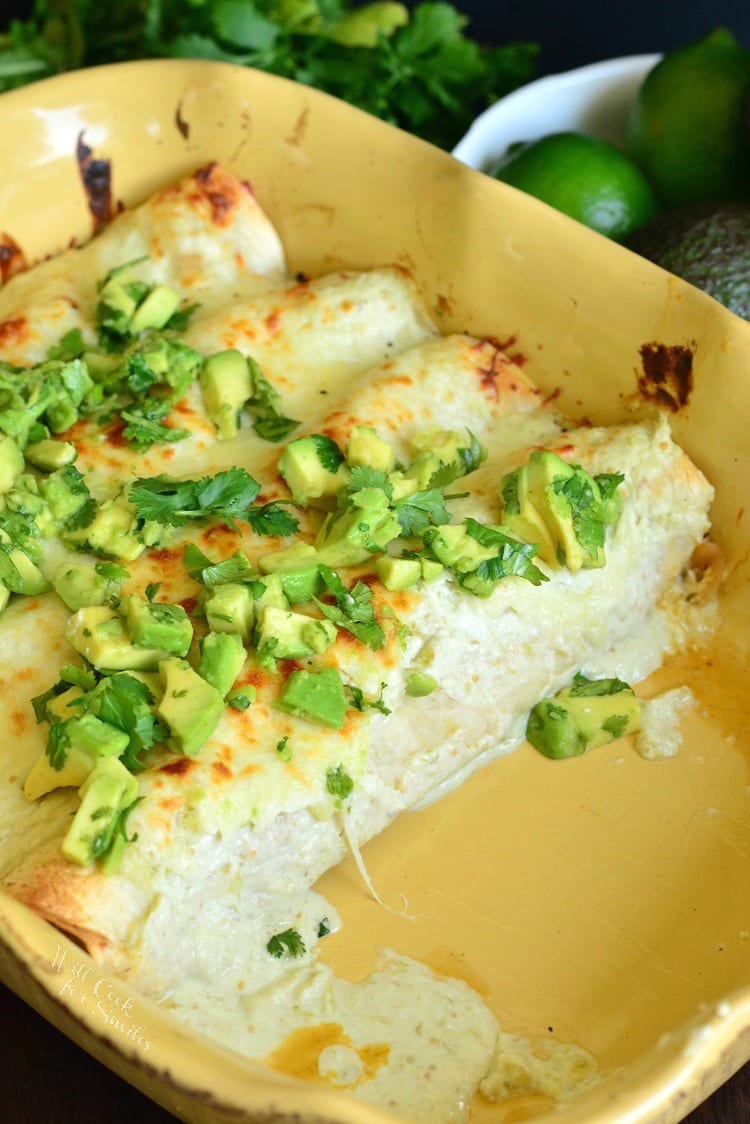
(419, 70)
(353, 609)
(227, 496)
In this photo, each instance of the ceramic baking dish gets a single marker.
(604, 899)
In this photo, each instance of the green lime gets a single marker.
(707, 244)
(588, 179)
(686, 127)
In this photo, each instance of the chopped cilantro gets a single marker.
(172, 502)
(284, 749)
(420, 510)
(328, 452)
(288, 943)
(359, 702)
(339, 783)
(353, 609)
(264, 407)
(513, 557)
(324, 927)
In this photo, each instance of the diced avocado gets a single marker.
(226, 384)
(17, 572)
(100, 636)
(222, 659)
(231, 608)
(419, 684)
(4, 596)
(454, 547)
(523, 519)
(273, 593)
(89, 741)
(116, 305)
(100, 365)
(316, 695)
(49, 454)
(431, 569)
(314, 471)
(582, 717)
(154, 624)
(11, 463)
(107, 791)
(402, 485)
(569, 502)
(366, 448)
(157, 307)
(281, 634)
(398, 573)
(58, 708)
(364, 527)
(61, 414)
(79, 585)
(65, 492)
(298, 568)
(191, 707)
(442, 443)
(112, 532)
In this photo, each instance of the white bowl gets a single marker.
(593, 99)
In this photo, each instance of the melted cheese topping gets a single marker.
(231, 842)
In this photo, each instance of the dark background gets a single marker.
(44, 1078)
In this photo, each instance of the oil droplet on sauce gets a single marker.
(299, 1054)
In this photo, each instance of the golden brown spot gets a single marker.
(15, 330)
(299, 1053)
(25, 674)
(165, 555)
(12, 259)
(180, 767)
(297, 290)
(171, 804)
(20, 721)
(667, 377)
(221, 771)
(273, 322)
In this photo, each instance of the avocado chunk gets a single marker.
(281, 634)
(99, 635)
(273, 593)
(582, 717)
(89, 740)
(112, 531)
(419, 684)
(80, 585)
(314, 470)
(155, 624)
(316, 695)
(49, 454)
(226, 385)
(398, 573)
(366, 448)
(431, 569)
(455, 548)
(569, 502)
(65, 492)
(107, 792)
(231, 608)
(157, 307)
(298, 570)
(11, 463)
(362, 528)
(522, 518)
(223, 656)
(18, 573)
(191, 708)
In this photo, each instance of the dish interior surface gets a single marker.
(601, 900)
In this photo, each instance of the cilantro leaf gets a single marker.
(353, 609)
(513, 557)
(588, 688)
(469, 459)
(126, 703)
(143, 431)
(359, 702)
(172, 502)
(271, 519)
(58, 743)
(328, 452)
(236, 568)
(362, 476)
(420, 510)
(288, 943)
(264, 407)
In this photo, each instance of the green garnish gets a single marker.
(264, 407)
(359, 702)
(339, 783)
(284, 749)
(288, 943)
(174, 503)
(417, 69)
(353, 609)
(513, 557)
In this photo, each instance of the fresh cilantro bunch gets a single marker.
(418, 69)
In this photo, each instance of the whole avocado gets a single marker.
(705, 244)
